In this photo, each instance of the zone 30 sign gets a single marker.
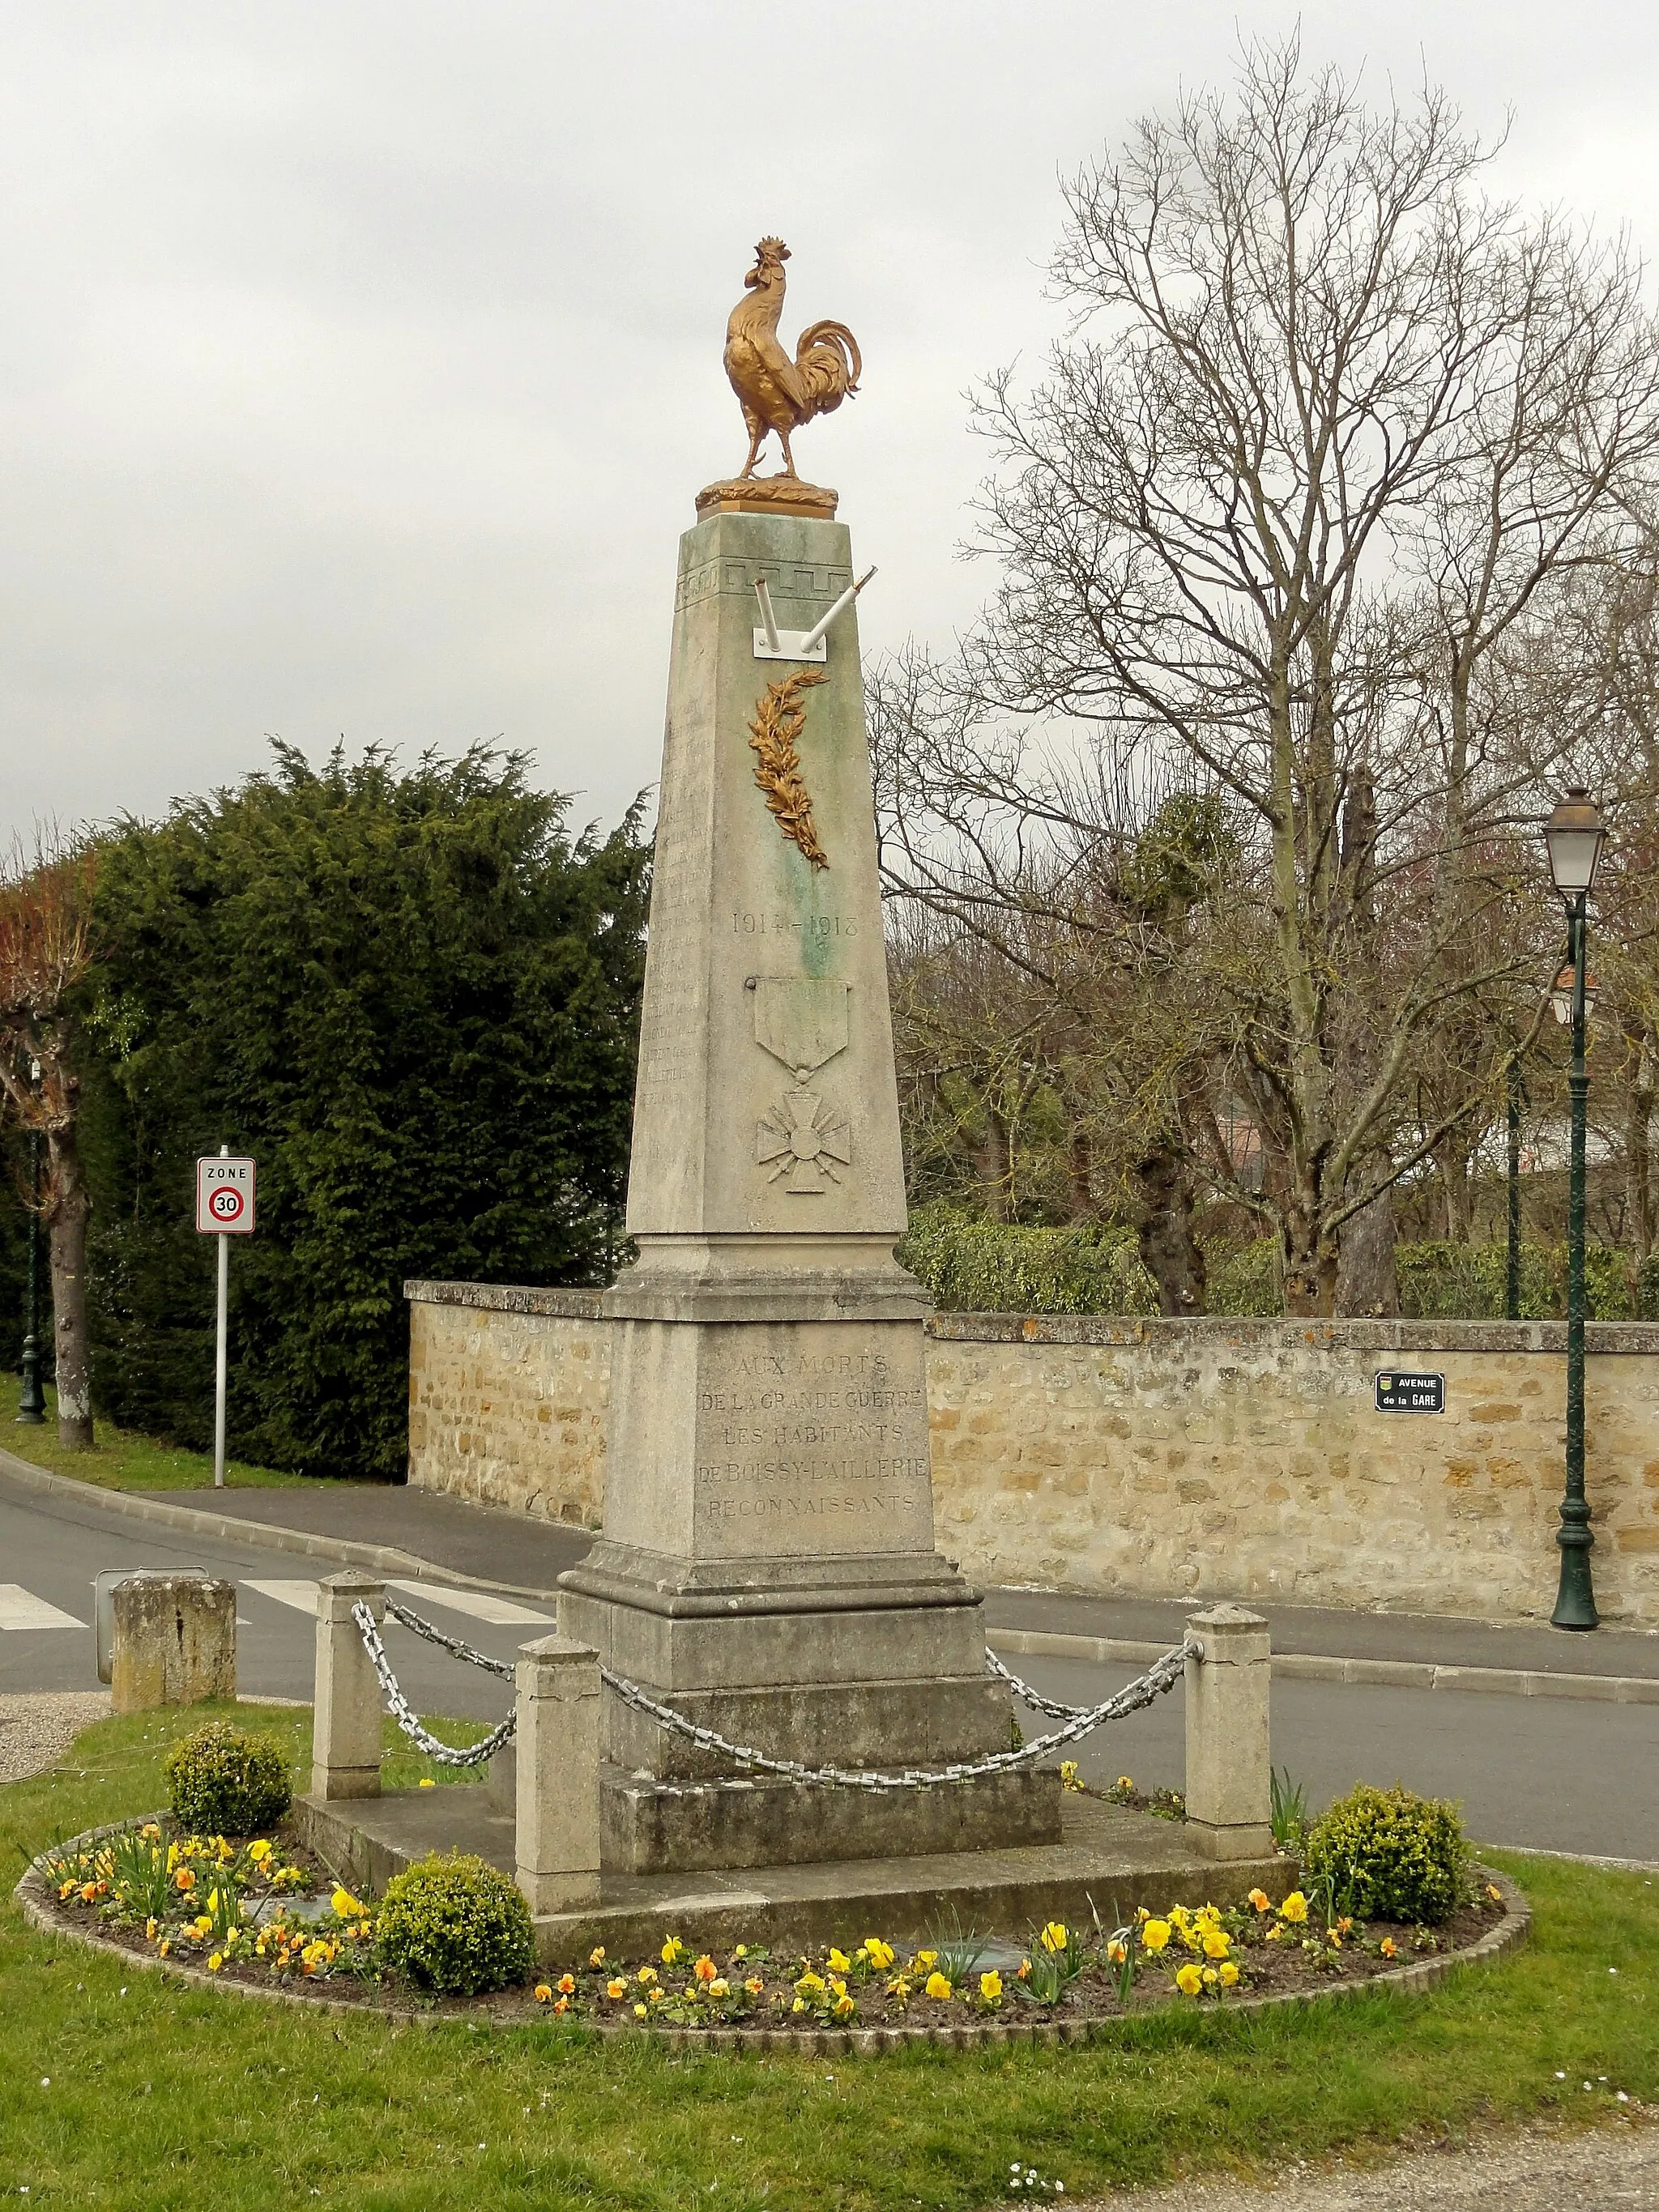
(224, 1196)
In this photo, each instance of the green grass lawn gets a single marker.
(170, 2098)
(122, 1460)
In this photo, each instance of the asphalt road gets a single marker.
(1556, 1774)
(51, 1550)
(1552, 1773)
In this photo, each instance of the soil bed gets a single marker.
(308, 1939)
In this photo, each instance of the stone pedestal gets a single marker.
(768, 1564)
(174, 1642)
(1229, 1773)
(345, 1730)
(556, 1775)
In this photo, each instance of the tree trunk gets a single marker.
(68, 1204)
(1170, 1251)
(1309, 1263)
(1080, 1173)
(1639, 1172)
(1453, 1160)
(996, 1167)
(1366, 1284)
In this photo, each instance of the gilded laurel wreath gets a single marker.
(780, 718)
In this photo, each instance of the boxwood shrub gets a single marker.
(456, 1925)
(222, 1782)
(1389, 1855)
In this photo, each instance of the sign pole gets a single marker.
(224, 1209)
(219, 1392)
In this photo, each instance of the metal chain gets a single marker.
(1161, 1676)
(1080, 1721)
(398, 1706)
(452, 1643)
(1026, 1694)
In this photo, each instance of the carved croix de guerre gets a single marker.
(780, 718)
(774, 392)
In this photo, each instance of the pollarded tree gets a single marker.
(1329, 435)
(46, 954)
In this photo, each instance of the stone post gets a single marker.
(345, 1728)
(557, 1762)
(1229, 1793)
(174, 1642)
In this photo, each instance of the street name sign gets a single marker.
(224, 1196)
(1411, 1394)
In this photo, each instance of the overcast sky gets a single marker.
(359, 362)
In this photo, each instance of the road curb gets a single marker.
(1027, 1643)
(1377, 1674)
(384, 1558)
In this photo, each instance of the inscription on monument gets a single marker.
(832, 1447)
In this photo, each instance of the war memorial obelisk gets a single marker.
(767, 1566)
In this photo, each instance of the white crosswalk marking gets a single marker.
(301, 1595)
(20, 1609)
(478, 1603)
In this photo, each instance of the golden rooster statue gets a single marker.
(774, 392)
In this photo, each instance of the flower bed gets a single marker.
(254, 1914)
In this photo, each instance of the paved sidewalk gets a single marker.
(1431, 1639)
(513, 1548)
(1614, 2169)
(521, 1552)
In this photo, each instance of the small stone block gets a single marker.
(1229, 1789)
(174, 1644)
(556, 1774)
(346, 1727)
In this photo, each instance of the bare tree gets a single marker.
(1330, 432)
(45, 951)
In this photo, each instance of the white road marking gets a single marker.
(481, 1606)
(20, 1609)
(302, 1597)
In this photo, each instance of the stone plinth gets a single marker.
(1106, 1858)
(768, 1564)
(174, 1642)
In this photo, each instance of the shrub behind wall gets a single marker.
(413, 997)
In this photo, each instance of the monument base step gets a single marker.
(648, 1825)
(1108, 1859)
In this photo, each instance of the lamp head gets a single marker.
(1574, 836)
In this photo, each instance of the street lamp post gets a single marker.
(31, 1399)
(1574, 836)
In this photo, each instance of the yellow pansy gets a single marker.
(1216, 1945)
(1055, 1936)
(1155, 1934)
(990, 1987)
(937, 1986)
(1189, 1980)
(839, 1962)
(1229, 1975)
(1295, 1906)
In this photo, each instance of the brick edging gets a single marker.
(821, 2043)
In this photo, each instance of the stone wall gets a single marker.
(509, 1394)
(1177, 1458)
